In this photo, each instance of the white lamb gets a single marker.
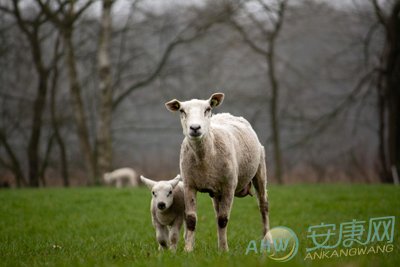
(167, 210)
(121, 177)
(220, 155)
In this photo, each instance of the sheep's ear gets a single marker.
(216, 99)
(173, 105)
(149, 183)
(174, 182)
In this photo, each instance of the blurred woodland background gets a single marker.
(83, 85)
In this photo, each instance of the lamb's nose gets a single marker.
(161, 205)
(195, 127)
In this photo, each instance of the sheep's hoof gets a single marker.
(172, 248)
(162, 245)
(188, 248)
(268, 237)
(224, 249)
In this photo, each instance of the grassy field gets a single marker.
(110, 227)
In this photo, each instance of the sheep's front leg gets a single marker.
(118, 183)
(174, 233)
(162, 236)
(191, 217)
(223, 207)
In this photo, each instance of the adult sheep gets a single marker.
(220, 155)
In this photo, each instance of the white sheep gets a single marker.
(220, 155)
(167, 210)
(121, 177)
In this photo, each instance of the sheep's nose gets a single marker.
(195, 127)
(161, 205)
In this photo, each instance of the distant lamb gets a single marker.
(167, 210)
(121, 177)
(220, 155)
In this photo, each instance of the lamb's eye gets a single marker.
(182, 112)
(170, 192)
(207, 110)
(154, 194)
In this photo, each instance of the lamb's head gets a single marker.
(195, 114)
(162, 191)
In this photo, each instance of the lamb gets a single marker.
(167, 210)
(220, 155)
(121, 177)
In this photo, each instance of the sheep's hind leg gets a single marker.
(260, 183)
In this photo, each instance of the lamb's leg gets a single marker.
(260, 183)
(184, 231)
(162, 236)
(174, 233)
(223, 209)
(191, 217)
(119, 183)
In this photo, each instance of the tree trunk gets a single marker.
(384, 173)
(274, 110)
(56, 127)
(392, 82)
(40, 99)
(389, 95)
(34, 139)
(79, 111)
(15, 165)
(45, 161)
(104, 142)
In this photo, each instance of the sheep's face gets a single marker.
(162, 194)
(162, 191)
(195, 114)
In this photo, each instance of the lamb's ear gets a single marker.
(149, 183)
(216, 99)
(175, 181)
(173, 105)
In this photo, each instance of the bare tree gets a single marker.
(268, 26)
(55, 118)
(388, 92)
(98, 156)
(104, 141)
(194, 29)
(64, 18)
(33, 29)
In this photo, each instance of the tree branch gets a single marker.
(379, 13)
(247, 39)
(321, 123)
(167, 53)
(51, 15)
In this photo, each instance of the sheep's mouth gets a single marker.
(195, 135)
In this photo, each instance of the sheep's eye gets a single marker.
(207, 110)
(154, 194)
(170, 192)
(182, 112)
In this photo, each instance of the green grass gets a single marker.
(110, 227)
